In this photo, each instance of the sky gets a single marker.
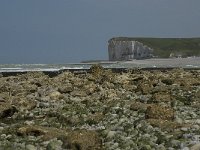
(71, 31)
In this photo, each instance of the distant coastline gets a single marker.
(168, 47)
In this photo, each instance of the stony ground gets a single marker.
(102, 110)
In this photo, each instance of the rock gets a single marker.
(83, 140)
(78, 93)
(160, 89)
(197, 94)
(1, 129)
(3, 136)
(102, 110)
(164, 124)
(196, 127)
(95, 118)
(31, 130)
(197, 121)
(30, 147)
(44, 104)
(175, 143)
(66, 89)
(184, 129)
(6, 110)
(9, 136)
(111, 134)
(55, 145)
(23, 103)
(99, 74)
(161, 97)
(137, 106)
(167, 81)
(90, 88)
(159, 112)
(185, 148)
(96, 69)
(195, 147)
(47, 133)
(29, 122)
(55, 95)
(145, 88)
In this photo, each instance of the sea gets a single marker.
(188, 63)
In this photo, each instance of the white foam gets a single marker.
(11, 68)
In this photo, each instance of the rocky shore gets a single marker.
(102, 110)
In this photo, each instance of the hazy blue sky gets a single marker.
(64, 31)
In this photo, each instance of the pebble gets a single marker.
(9, 136)
(30, 147)
(179, 120)
(198, 121)
(196, 127)
(43, 104)
(31, 115)
(3, 136)
(196, 138)
(29, 122)
(111, 134)
(175, 143)
(184, 129)
(1, 128)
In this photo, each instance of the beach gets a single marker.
(101, 109)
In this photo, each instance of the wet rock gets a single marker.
(159, 112)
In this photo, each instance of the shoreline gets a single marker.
(186, 63)
(84, 71)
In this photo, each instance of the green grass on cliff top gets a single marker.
(163, 47)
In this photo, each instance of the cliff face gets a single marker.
(120, 50)
(165, 47)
